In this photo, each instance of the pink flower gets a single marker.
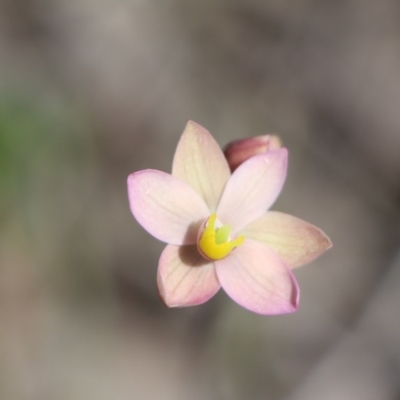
(218, 230)
(241, 150)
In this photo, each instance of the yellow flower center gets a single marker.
(215, 243)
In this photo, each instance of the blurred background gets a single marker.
(91, 91)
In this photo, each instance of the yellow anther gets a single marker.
(214, 243)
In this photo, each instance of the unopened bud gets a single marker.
(241, 150)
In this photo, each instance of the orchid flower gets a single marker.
(218, 230)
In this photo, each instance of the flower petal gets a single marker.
(184, 277)
(258, 279)
(199, 161)
(166, 207)
(295, 240)
(252, 189)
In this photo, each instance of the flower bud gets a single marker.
(241, 150)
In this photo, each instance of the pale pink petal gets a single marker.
(199, 161)
(165, 206)
(184, 277)
(255, 277)
(252, 189)
(295, 240)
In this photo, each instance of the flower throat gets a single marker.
(215, 243)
